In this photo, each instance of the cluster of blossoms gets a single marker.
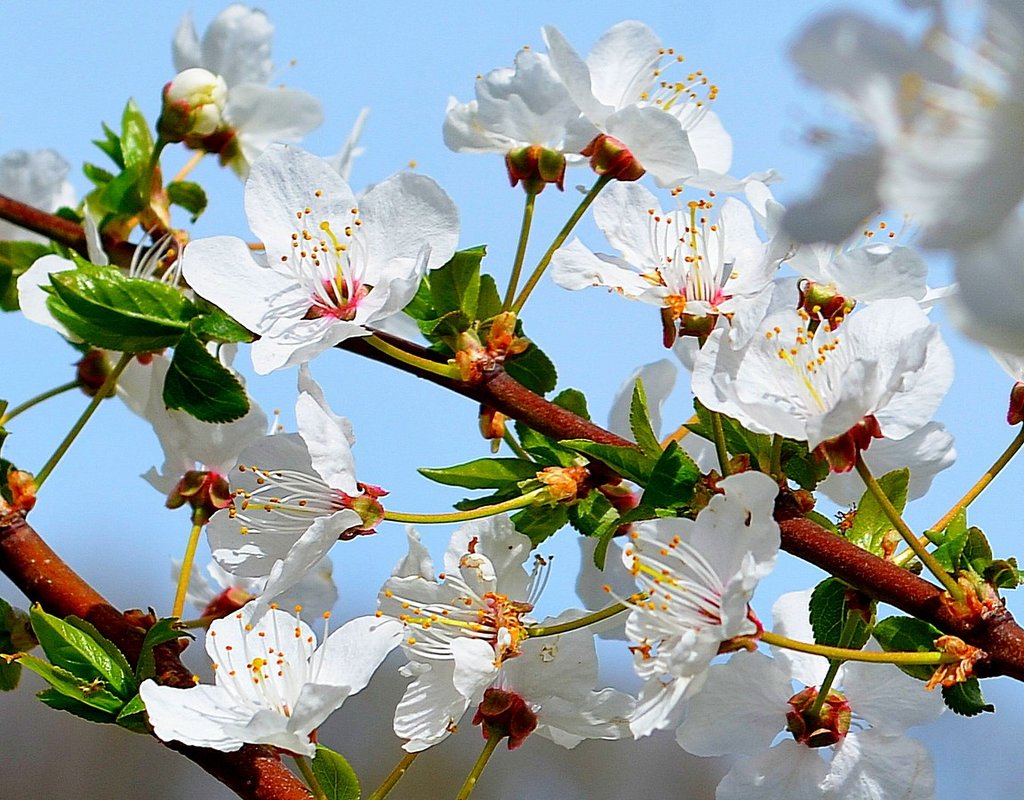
(800, 334)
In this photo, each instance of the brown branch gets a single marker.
(254, 772)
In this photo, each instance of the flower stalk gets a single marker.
(524, 235)
(391, 781)
(464, 516)
(39, 398)
(186, 570)
(478, 767)
(868, 656)
(425, 364)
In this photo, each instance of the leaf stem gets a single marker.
(478, 767)
(39, 398)
(920, 551)
(186, 570)
(394, 777)
(443, 370)
(463, 516)
(517, 265)
(845, 636)
(563, 234)
(927, 658)
(94, 403)
(720, 447)
(306, 768)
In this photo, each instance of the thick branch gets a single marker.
(254, 772)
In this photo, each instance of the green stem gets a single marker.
(433, 367)
(186, 570)
(868, 656)
(394, 777)
(154, 164)
(516, 448)
(478, 767)
(563, 234)
(524, 236)
(64, 387)
(720, 447)
(776, 463)
(199, 622)
(94, 403)
(306, 768)
(923, 555)
(850, 626)
(463, 516)
(575, 624)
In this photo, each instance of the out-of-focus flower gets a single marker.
(273, 684)
(39, 179)
(236, 45)
(333, 268)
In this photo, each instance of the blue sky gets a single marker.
(69, 66)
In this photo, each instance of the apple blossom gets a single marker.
(699, 576)
(333, 268)
(38, 179)
(273, 684)
(747, 702)
(467, 633)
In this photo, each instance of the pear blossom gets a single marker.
(293, 499)
(946, 120)
(39, 179)
(884, 369)
(273, 684)
(745, 704)
(685, 261)
(466, 633)
(236, 47)
(333, 267)
(699, 576)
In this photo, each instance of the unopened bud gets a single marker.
(193, 106)
(609, 156)
(535, 166)
(22, 486)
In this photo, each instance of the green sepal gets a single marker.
(540, 522)
(189, 196)
(870, 524)
(483, 473)
(62, 702)
(966, 698)
(90, 692)
(640, 422)
(15, 258)
(200, 385)
(828, 613)
(335, 776)
(671, 482)
(591, 514)
(162, 631)
(908, 635)
(533, 369)
(84, 654)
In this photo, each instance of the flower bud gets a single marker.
(535, 166)
(193, 106)
(503, 713)
(609, 156)
(227, 602)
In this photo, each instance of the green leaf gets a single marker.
(112, 652)
(468, 504)
(421, 307)
(120, 309)
(190, 196)
(90, 692)
(133, 716)
(629, 462)
(111, 145)
(337, 779)
(829, 610)
(547, 452)
(977, 551)
(640, 422)
(533, 369)
(15, 258)
(908, 635)
(738, 439)
(200, 385)
(136, 141)
(455, 286)
(122, 196)
(216, 326)
(1003, 573)
(15, 637)
(62, 702)
(822, 520)
(572, 400)
(949, 553)
(488, 304)
(450, 324)
(966, 699)
(483, 473)
(540, 522)
(801, 466)
(162, 631)
(78, 651)
(870, 523)
(98, 175)
(671, 482)
(591, 514)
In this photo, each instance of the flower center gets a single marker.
(293, 497)
(815, 359)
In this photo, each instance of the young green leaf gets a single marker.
(540, 522)
(572, 400)
(488, 304)
(533, 369)
(629, 462)
(829, 610)
(15, 258)
(136, 141)
(640, 422)
(591, 514)
(335, 776)
(200, 385)
(190, 196)
(871, 523)
(90, 692)
(162, 631)
(671, 482)
(966, 699)
(62, 702)
(455, 286)
(908, 635)
(133, 716)
(111, 145)
(213, 325)
(483, 473)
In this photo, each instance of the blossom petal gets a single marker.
(871, 765)
(202, 716)
(787, 770)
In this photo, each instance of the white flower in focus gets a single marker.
(743, 708)
(685, 261)
(699, 576)
(467, 633)
(333, 268)
(886, 363)
(293, 496)
(273, 684)
(39, 179)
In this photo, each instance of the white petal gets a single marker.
(870, 766)
(658, 142)
(262, 115)
(328, 443)
(474, 666)
(430, 707)
(32, 298)
(197, 716)
(351, 654)
(788, 770)
(888, 698)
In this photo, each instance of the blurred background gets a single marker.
(68, 66)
